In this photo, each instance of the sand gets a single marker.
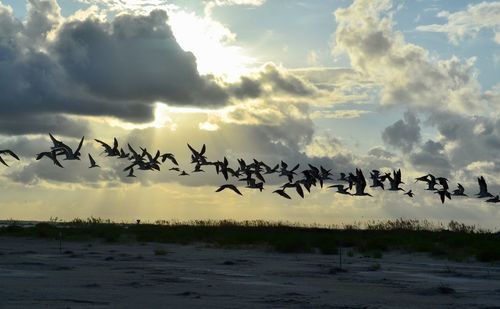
(34, 274)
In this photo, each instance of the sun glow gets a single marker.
(211, 43)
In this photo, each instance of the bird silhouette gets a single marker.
(131, 172)
(410, 193)
(110, 151)
(9, 152)
(496, 199)
(229, 186)
(460, 191)
(360, 182)
(340, 189)
(92, 162)
(51, 155)
(282, 193)
(442, 194)
(483, 188)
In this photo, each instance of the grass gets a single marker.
(455, 241)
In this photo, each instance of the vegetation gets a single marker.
(455, 241)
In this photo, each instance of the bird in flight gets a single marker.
(92, 162)
(9, 152)
(229, 186)
(410, 193)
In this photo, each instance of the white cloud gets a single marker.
(406, 72)
(210, 5)
(339, 114)
(468, 23)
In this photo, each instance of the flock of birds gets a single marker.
(353, 184)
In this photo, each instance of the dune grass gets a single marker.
(454, 241)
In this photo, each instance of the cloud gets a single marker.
(211, 4)
(403, 134)
(431, 158)
(338, 114)
(406, 73)
(468, 22)
(134, 58)
(446, 93)
(43, 17)
(51, 68)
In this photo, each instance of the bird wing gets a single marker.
(10, 152)
(92, 161)
(79, 145)
(106, 146)
(195, 153)
(3, 162)
(299, 190)
(283, 193)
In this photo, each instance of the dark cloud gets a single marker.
(379, 152)
(403, 134)
(431, 159)
(134, 58)
(117, 68)
(32, 124)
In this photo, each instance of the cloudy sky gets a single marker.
(371, 84)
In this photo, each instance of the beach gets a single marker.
(38, 273)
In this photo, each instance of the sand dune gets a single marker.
(33, 273)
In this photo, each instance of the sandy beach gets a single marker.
(34, 274)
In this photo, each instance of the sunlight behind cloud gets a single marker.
(210, 42)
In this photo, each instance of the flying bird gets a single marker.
(483, 188)
(443, 194)
(460, 191)
(51, 155)
(9, 152)
(131, 172)
(229, 186)
(110, 151)
(92, 162)
(340, 189)
(496, 199)
(410, 193)
(282, 193)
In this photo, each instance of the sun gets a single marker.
(211, 43)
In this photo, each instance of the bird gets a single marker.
(295, 185)
(430, 180)
(198, 157)
(443, 182)
(68, 152)
(496, 199)
(92, 162)
(459, 191)
(55, 142)
(110, 151)
(9, 152)
(282, 193)
(229, 186)
(393, 181)
(170, 157)
(51, 155)
(360, 182)
(442, 194)
(131, 172)
(483, 188)
(410, 193)
(340, 189)
(376, 182)
(183, 173)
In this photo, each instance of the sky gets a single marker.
(346, 84)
